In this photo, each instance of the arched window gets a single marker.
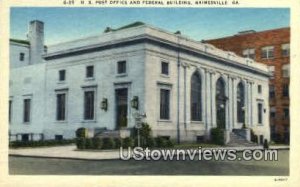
(240, 103)
(220, 90)
(221, 99)
(196, 104)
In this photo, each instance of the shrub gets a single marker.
(81, 133)
(255, 138)
(266, 144)
(97, 143)
(150, 142)
(118, 142)
(217, 135)
(39, 143)
(89, 143)
(108, 143)
(80, 143)
(127, 142)
(145, 130)
(252, 135)
(145, 133)
(160, 142)
(169, 143)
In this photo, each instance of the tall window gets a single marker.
(285, 91)
(260, 112)
(61, 107)
(9, 110)
(221, 99)
(272, 91)
(267, 52)
(165, 68)
(89, 71)
(240, 103)
(62, 75)
(121, 67)
(26, 110)
(285, 49)
(196, 108)
(249, 53)
(286, 71)
(272, 112)
(286, 113)
(164, 104)
(89, 98)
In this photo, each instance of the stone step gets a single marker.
(237, 140)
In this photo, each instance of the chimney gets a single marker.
(36, 40)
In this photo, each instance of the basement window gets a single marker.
(22, 56)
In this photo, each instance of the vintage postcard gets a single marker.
(149, 93)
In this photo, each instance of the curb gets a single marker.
(111, 159)
(65, 158)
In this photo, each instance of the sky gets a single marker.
(65, 24)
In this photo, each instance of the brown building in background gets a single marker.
(270, 47)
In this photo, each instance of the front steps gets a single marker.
(239, 141)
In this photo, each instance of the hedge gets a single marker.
(40, 143)
(128, 142)
(116, 143)
(217, 135)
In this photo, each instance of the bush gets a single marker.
(81, 133)
(170, 143)
(150, 142)
(89, 143)
(266, 144)
(118, 142)
(255, 138)
(145, 130)
(80, 143)
(252, 135)
(39, 143)
(108, 143)
(127, 142)
(160, 142)
(217, 135)
(97, 143)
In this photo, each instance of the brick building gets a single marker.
(270, 47)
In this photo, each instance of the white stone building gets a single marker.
(184, 87)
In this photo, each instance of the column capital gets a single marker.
(211, 71)
(185, 64)
(232, 76)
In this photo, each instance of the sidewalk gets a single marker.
(71, 152)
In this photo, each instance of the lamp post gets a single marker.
(138, 124)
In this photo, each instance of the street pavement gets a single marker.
(71, 152)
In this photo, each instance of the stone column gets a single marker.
(203, 94)
(227, 93)
(234, 100)
(230, 103)
(208, 102)
(246, 102)
(249, 104)
(213, 99)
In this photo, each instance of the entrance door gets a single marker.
(121, 107)
(221, 103)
